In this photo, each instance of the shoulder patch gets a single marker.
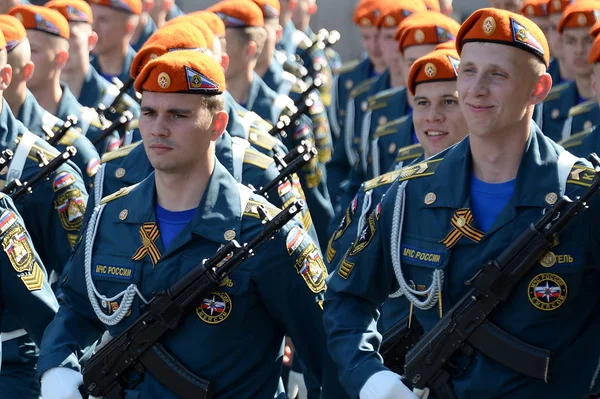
(409, 152)
(348, 66)
(582, 108)
(120, 153)
(256, 158)
(575, 139)
(362, 87)
(252, 209)
(422, 169)
(121, 193)
(582, 176)
(261, 139)
(134, 124)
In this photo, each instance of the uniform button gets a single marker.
(123, 214)
(119, 173)
(430, 198)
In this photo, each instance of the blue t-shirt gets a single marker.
(488, 200)
(171, 223)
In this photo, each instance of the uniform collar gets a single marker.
(92, 87)
(253, 91)
(537, 175)
(124, 75)
(31, 112)
(234, 125)
(68, 104)
(219, 209)
(10, 127)
(136, 164)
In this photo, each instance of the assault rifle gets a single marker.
(114, 126)
(397, 341)
(104, 110)
(138, 347)
(16, 189)
(490, 286)
(54, 138)
(290, 164)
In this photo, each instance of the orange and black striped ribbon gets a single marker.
(148, 233)
(461, 221)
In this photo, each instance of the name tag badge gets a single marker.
(117, 272)
(421, 257)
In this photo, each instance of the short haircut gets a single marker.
(213, 104)
(256, 34)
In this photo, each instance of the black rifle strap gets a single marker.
(173, 375)
(511, 352)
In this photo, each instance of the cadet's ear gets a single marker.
(219, 123)
(131, 24)
(541, 89)
(224, 61)
(61, 58)
(5, 76)
(148, 5)
(279, 33)
(92, 40)
(28, 70)
(251, 50)
(312, 9)
(167, 4)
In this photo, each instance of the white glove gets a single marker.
(385, 385)
(61, 383)
(296, 386)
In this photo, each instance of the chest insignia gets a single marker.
(461, 223)
(547, 291)
(148, 234)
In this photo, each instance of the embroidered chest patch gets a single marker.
(215, 308)
(547, 291)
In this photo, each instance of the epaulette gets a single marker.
(380, 99)
(256, 158)
(261, 139)
(556, 91)
(120, 153)
(409, 152)
(582, 108)
(422, 169)
(134, 124)
(390, 127)
(121, 193)
(362, 87)
(348, 66)
(581, 175)
(575, 139)
(36, 148)
(252, 209)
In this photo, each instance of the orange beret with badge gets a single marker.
(216, 24)
(72, 10)
(182, 36)
(492, 25)
(239, 13)
(535, 8)
(557, 6)
(437, 66)
(428, 27)
(13, 31)
(126, 6)
(581, 14)
(595, 29)
(199, 24)
(394, 12)
(270, 8)
(367, 12)
(41, 19)
(182, 72)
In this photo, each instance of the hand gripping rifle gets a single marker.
(490, 287)
(136, 347)
(16, 189)
(290, 164)
(123, 121)
(54, 138)
(301, 105)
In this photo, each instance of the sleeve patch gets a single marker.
(294, 239)
(19, 250)
(71, 209)
(311, 267)
(62, 180)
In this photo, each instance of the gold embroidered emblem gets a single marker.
(489, 26)
(215, 308)
(311, 267)
(164, 80)
(548, 260)
(547, 291)
(551, 198)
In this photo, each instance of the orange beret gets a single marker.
(594, 55)
(449, 45)
(535, 8)
(42, 19)
(183, 36)
(437, 66)
(557, 6)
(12, 30)
(72, 10)
(270, 8)
(504, 27)
(216, 24)
(367, 12)
(595, 29)
(432, 5)
(428, 27)
(127, 6)
(182, 72)
(239, 13)
(581, 14)
(200, 26)
(393, 13)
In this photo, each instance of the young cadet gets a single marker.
(145, 27)
(558, 70)
(574, 28)
(195, 207)
(160, 12)
(586, 141)
(27, 295)
(83, 80)
(115, 23)
(503, 177)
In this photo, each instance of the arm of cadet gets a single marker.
(360, 283)
(75, 325)
(294, 301)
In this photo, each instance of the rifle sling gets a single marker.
(173, 375)
(511, 352)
